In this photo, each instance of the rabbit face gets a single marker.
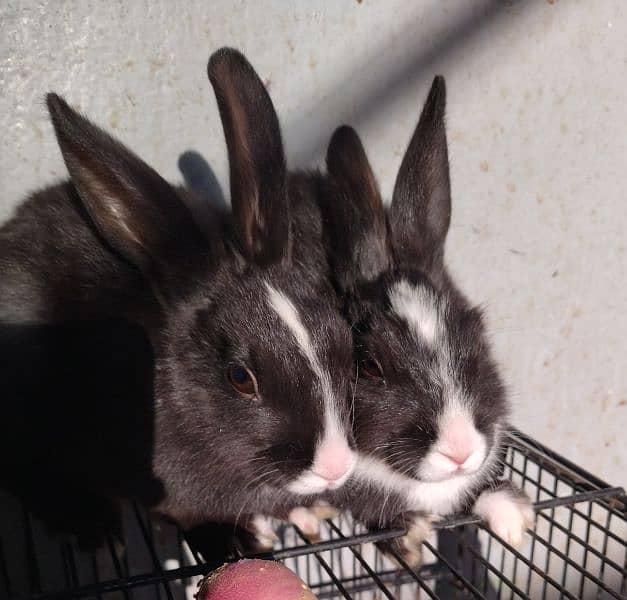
(428, 400)
(262, 366)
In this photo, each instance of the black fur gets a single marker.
(77, 427)
(117, 242)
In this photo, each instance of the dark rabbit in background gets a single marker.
(252, 358)
(430, 413)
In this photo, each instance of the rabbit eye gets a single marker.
(242, 380)
(371, 368)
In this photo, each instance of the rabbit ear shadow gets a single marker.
(201, 180)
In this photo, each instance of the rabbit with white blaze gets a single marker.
(429, 406)
(252, 356)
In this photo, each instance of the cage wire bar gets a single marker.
(576, 550)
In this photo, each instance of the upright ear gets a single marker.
(421, 205)
(137, 212)
(353, 213)
(258, 175)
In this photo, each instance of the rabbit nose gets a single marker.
(334, 461)
(332, 471)
(459, 458)
(459, 439)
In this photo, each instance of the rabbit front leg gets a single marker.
(308, 518)
(507, 510)
(408, 547)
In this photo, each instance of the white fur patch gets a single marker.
(418, 530)
(506, 515)
(333, 433)
(263, 531)
(435, 466)
(433, 497)
(418, 306)
(288, 313)
(306, 520)
(323, 510)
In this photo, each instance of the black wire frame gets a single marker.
(577, 549)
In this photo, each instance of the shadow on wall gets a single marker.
(408, 62)
(200, 179)
(405, 62)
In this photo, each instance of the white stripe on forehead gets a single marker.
(288, 313)
(418, 306)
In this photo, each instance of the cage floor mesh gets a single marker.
(577, 550)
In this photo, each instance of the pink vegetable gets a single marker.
(254, 580)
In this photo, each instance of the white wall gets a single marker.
(538, 139)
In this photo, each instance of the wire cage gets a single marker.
(576, 550)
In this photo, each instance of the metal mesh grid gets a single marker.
(577, 550)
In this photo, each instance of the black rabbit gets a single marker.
(430, 408)
(252, 358)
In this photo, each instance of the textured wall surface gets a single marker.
(538, 142)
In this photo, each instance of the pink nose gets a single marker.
(332, 472)
(458, 458)
(334, 460)
(459, 439)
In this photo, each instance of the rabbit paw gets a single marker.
(323, 510)
(409, 546)
(307, 521)
(507, 511)
(261, 528)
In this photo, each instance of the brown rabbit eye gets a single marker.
(371, 368)
(242, 380)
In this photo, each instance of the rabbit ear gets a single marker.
(258, 173)
(137, 212)
(354, 213)
(421, 205)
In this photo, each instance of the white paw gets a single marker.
(261, 527)
(506, 514)
(323, 510)
(409, 547)
(410, 552)
(306, 520)
(419, 528)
